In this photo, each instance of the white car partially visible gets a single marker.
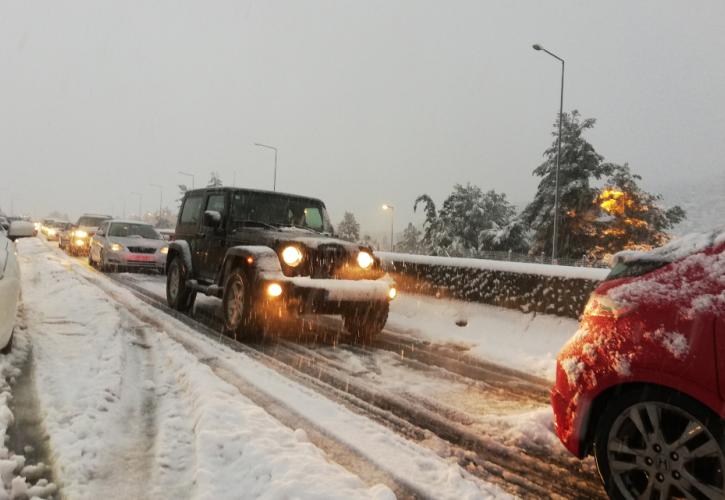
(9, 290)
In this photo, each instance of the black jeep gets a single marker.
(268, 254)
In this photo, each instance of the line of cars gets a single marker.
(111, 244)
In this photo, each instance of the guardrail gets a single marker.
(550, 289)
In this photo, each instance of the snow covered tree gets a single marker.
(348, 229)
(629, 217)
(214, 181)
(471, 221)
(579, 164)
(409, 242)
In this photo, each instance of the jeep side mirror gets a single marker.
(212, 218)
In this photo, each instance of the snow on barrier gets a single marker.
(560, 290)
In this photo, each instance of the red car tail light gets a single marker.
(602, 306)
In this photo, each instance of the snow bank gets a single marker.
(497, 265)
(14, 472)
(527, 342)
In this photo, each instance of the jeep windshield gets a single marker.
(280, 211)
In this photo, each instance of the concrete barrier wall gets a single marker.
(559, 290)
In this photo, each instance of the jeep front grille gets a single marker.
(327, 259)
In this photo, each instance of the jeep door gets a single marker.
(188, 228)
(214, 238)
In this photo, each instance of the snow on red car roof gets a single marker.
(675, 249)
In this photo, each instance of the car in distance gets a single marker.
(641, 385)
(54, 228)
(120, 244)
(268, 254)
(79, 239)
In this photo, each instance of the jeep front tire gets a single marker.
(178, 294)
(240, 319)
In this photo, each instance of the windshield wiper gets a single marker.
(303, 227)
(256, 223)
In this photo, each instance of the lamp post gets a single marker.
(274, 185)
(140, 201)
(161, 197)
(188, 175)
(391, 209)
(558, 152)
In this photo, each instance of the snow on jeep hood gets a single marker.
(675, 249)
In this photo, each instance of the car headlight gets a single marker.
(164, 250)
(292, 256)
(51, 232)
(116, 247)
(80, 234)
(364, 260)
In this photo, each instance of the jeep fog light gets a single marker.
(274, 290)
(364, 260)
(292, 256)
(392, 293)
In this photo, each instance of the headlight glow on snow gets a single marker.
(116, 247)
(292, 256)
(164, 250)
(80, 234)
(364, 260)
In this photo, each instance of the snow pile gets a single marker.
(14, 473)
(527, 342)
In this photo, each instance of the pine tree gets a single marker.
(348, 229)
(410, 240)
(214, 181)
(630, 218)
(471, 221)
(579, 164)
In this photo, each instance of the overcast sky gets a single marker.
(367, 101)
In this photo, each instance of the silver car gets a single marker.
(122, 245)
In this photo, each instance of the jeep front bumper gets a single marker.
(326, 296)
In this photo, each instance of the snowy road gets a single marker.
(135, 400)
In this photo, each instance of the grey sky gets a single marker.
(368, 101)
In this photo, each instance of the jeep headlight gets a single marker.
(292, 256)
(116, 247)
(164, 250)
(80, 234)
(364, 260)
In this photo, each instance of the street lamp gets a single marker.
(274, 186)
(558, 151)
(140, 200)
(188, 175)
(161, 197)
(391, 209)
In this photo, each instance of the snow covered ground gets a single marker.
(526, 342)
(134, 406)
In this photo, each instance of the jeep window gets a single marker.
(279, 210)
(216, 203)
(124, 230)
(91, 221)
(190, 213)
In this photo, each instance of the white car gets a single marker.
(9, 290)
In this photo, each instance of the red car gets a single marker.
(641, 385)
